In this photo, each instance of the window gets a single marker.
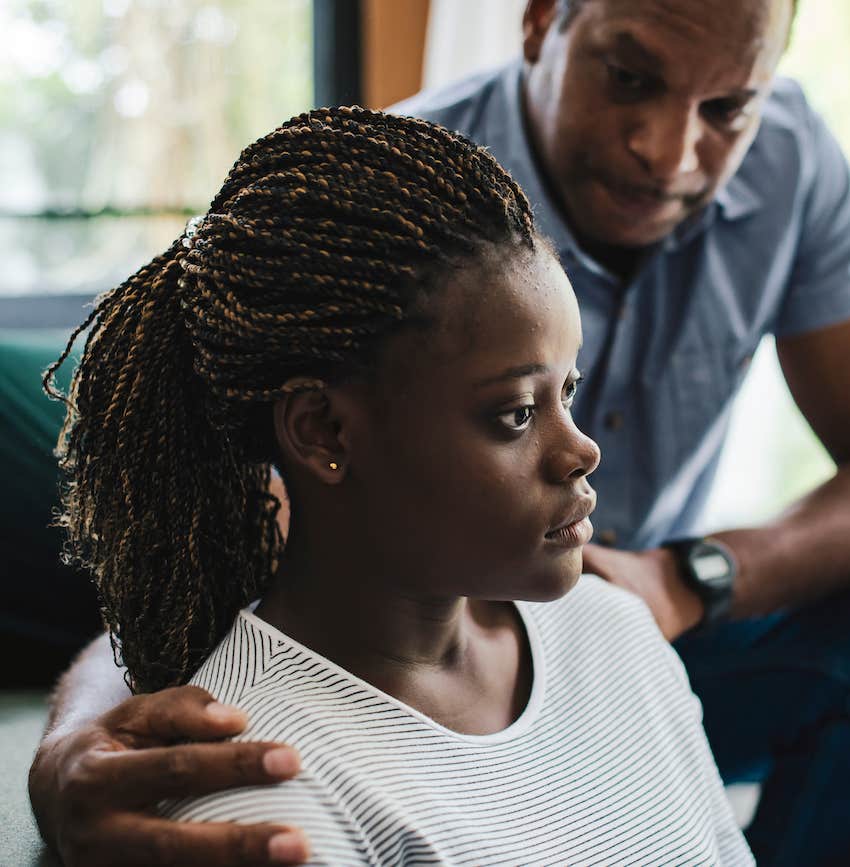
(772, 457)
(120, 118)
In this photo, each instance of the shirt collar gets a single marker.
(734, 201)
(739, 198)
(504, 131)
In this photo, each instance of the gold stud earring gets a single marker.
(333, 465)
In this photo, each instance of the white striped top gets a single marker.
(607, 765)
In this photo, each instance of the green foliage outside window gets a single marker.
(131, 105)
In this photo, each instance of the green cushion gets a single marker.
(31, 421)
(47, 610)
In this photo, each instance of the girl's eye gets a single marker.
(570, 391)
(517, 419)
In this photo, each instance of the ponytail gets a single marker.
(314, 250)
(172, 519)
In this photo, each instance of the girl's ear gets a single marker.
(309, 430)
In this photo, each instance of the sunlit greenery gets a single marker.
(818, 57)
(131, 104)
(773, 457)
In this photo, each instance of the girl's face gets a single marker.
(470, 475)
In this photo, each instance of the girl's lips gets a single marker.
(573, 535)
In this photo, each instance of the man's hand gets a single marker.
(652, 575)
(94, 788)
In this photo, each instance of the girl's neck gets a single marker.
(465, 663)
(355, 625)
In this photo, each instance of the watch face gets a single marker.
(709, 569)
(711, 565)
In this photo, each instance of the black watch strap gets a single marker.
(708, 567)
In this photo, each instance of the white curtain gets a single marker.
(468, 35)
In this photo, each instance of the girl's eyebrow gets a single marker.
(512, 373)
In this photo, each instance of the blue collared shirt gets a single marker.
(664, 355)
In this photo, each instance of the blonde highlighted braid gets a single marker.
(313, 251)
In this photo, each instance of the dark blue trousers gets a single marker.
(776, 701)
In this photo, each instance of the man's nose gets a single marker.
(666, 140)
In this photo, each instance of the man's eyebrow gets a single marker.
(512, 373)
(743, 96)
(634, 51)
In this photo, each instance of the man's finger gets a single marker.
(175, 714)
(143, 841)
(591, 559)
(140, 778)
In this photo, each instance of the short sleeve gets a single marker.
(335, 838)
(819, 286)
(732, 849)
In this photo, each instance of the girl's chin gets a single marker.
(552, 586)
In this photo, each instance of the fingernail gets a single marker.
(289, 846)
(281, 762)
(223, 712)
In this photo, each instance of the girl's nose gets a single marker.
(576, 456)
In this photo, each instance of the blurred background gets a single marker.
(120, 118)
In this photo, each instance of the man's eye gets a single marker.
(724, 110)
(624, 80)
(517, 419)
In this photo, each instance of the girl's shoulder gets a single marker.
(612, 613)
(598, 628)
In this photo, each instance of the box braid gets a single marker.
(324, 235)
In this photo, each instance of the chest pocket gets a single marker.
(702, 382)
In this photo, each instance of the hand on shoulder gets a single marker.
(653, 576)
(95, 787)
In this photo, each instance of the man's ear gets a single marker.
(538, 17)
(309, 430)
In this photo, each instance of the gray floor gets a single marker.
(22, 716)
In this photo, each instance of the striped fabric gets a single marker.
(608, 764)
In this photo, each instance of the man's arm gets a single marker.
(796, 559)
(107, 760)
(92, 686)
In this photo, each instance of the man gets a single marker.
(697, 205)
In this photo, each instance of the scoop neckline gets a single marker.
(515, 730)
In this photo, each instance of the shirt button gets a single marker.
(607, 537)
(613, 420)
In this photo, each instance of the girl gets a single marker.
(367, 307)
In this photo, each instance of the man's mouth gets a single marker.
(647, 198)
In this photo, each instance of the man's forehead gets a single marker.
(755, 20)
(742, 33)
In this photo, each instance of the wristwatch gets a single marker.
(708, 567)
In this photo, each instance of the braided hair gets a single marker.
(315, 249)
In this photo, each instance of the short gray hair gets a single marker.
(568, 9)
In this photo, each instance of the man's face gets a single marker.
(641, 109)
